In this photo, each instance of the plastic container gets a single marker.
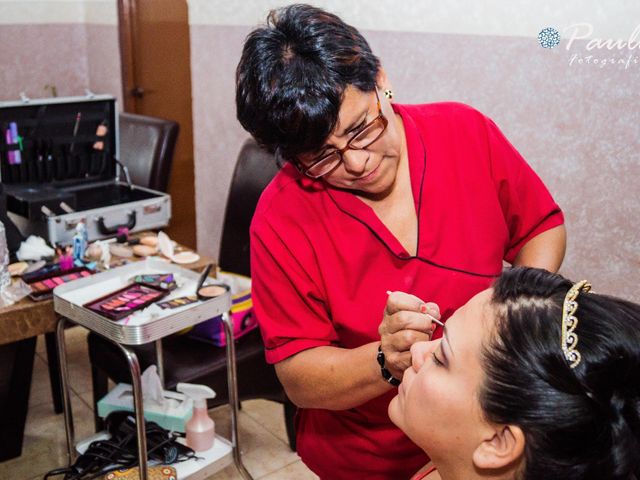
(200, 429)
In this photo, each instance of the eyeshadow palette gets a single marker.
(165, 281)
(42, 286)
(179, 302)
(124, 302)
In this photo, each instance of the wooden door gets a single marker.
(154, 40)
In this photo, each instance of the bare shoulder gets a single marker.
(433, 476)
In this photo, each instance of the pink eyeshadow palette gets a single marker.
(124, 302)
(42, 287)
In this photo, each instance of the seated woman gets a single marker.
(535, 378)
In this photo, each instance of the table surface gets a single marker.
(27, 318)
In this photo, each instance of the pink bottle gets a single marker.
(200, 429)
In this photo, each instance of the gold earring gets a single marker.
(388, 93)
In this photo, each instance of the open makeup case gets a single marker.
(59, 166)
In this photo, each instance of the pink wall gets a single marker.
(71, 56)
(33, 56)
(578, 126)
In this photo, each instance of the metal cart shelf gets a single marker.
(69, 299)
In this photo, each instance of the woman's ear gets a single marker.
(382, 81)
(504, 447)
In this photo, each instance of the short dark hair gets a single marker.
(579, 423)
(292, 75)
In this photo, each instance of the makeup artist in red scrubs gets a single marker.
(424, 201)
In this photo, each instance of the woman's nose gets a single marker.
(355, 161)
(420, 351)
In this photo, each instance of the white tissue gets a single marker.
(152, 312)
(152, 391)
(34, 248)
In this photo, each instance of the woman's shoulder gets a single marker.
(286, 198)
(428, 472)
(454, 110)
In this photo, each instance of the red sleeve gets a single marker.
(527, 206)
(286, 298)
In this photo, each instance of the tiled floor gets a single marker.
(265, 450)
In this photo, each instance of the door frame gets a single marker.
(127, 31)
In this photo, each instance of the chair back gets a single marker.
(147, 145)
(254, 170)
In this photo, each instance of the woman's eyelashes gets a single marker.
(436, 360)
(359, 127)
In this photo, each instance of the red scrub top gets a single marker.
(321, 262)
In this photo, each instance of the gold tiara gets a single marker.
(570, 322)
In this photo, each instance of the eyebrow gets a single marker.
(355, 123)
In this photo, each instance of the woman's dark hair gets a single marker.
(581, 423)
(293, 73)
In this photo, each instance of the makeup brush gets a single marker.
(203, 277)
(433, 319)
(76, 126)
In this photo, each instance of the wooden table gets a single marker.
(20, 325)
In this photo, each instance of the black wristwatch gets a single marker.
(386, 374)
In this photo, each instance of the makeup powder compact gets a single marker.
(212, 291)
(207, 292)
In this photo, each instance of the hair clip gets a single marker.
(569, 341)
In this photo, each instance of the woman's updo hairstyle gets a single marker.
(580, 423)
(293, 73)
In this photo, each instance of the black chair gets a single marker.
(147, 145)
(188, 360)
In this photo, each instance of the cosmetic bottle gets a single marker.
(200, 429)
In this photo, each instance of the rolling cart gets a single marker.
(68, 303)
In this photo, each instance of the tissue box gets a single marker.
(173, 415)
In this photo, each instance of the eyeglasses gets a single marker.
(363, 138)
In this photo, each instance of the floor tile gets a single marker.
(262, 451)
(268, 414)
(40, 392)
(293, 471)
(80, 376)
(44, 446)
(77, 358)
(229, 473)
(40, 346)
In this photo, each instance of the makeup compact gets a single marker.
(150, 241)
(212, 291)
(206, 292)
(17, 269)
(124, 302)
(121, 251)
(143, 250)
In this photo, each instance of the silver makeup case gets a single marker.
(59, 166)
